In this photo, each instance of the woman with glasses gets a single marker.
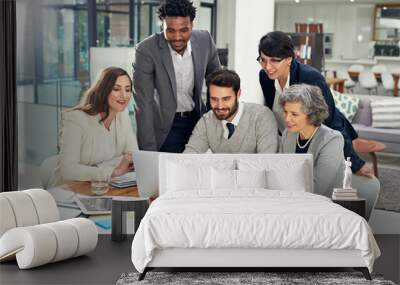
(280, 70)
(304, 111)
(97, 139)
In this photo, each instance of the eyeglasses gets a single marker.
(274, 61)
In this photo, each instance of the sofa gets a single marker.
(31, 231)
(362, 123)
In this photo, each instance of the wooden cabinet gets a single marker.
(309, 48)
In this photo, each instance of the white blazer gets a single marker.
(83, 149)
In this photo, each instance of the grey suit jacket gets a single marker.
(327, 150)
(155, 84)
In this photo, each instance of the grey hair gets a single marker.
(314, 105)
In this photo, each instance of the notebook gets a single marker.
(123, 181)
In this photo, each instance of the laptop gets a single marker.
(146, 167)
(94, 205)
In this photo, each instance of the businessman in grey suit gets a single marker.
(168, 75)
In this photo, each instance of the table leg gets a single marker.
(116, 221)
(374, 163)
(119, 207)
(341, 87)
(396, 84)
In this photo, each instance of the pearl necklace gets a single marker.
(308, 141)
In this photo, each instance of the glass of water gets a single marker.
(99, 187)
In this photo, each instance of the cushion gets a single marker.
(66, 237)
(27, 208)
(252, 178)
(283, 174)
(182, 177)
(278, 180)
(346, 104)
(186, 173)
(380, 134)
(87, 234)
(223, 179)
(7, 216)
(23, 208)
(386, 113)
(45, 205)
(363, 115)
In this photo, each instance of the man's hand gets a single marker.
(365, 170)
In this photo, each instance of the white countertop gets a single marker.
(351, 60)
(388, 58)
(366, 61)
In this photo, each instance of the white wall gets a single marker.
(225, 24)
(241, 24)
(103, 57)
(351, 24)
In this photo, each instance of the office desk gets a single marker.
(64, 193)
(83, 187)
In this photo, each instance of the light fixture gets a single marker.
(384, 7)
(351, 1)
(297, 1)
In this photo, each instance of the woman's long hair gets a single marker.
(95, 99)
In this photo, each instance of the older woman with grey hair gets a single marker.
(304, 111)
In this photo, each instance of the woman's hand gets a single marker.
(366, 171)
(126, 165)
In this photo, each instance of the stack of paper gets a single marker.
(123, 181)
(344, 194)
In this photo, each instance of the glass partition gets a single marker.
(54, 42)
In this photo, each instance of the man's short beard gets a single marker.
(233, 111)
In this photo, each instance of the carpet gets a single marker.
(243, 278)
(389, 197)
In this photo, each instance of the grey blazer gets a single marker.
(155, 84)
(327, 150)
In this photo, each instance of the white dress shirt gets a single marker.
(276, 108)
(184, 76)
(235, 120)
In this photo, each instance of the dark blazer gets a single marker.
(302, 73)
(154, 84)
